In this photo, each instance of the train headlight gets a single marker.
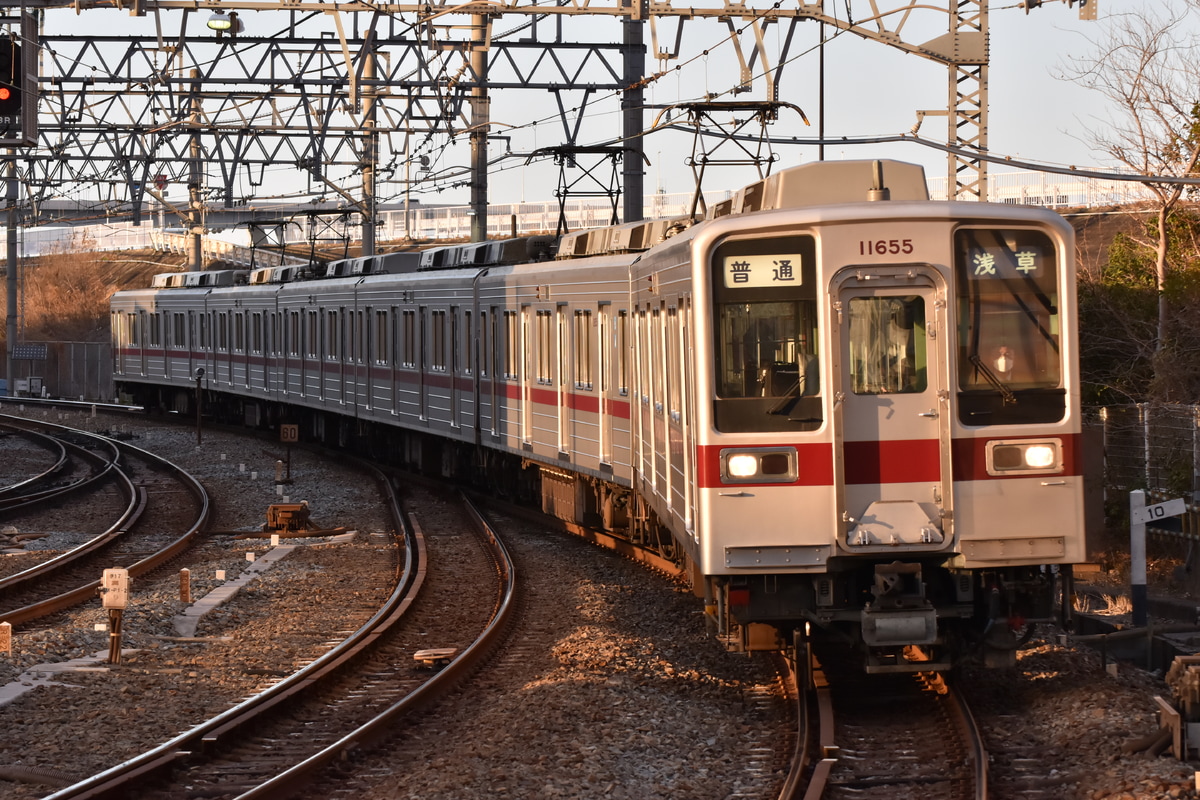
(1024, 457)
(759, 465)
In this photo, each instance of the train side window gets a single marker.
(658, 365)
(331, 337)
(485, 344)
(294, 339)
(1010, 364)
(622, 334)
(354, 337)
(381, 337)
(437, 341)
(256, 333)
(410, 338)
(314, 335)
(512, 364)
(583, 349)
(545, 348)
(463, 350)
(674, 360)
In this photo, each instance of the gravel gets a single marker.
(626, 685)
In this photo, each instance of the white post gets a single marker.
(1137, 556)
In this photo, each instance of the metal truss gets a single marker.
(349, 94)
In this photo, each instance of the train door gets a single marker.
(892, 420)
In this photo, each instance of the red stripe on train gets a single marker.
(901, 461)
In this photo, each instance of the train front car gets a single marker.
(888, 424)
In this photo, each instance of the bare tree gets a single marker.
(1148, 67)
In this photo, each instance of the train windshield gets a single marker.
(766, 372)
(1010, 368)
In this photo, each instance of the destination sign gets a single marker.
(759, 271)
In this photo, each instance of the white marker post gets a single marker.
(1139, 515)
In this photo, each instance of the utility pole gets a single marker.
(480, 125)
(632, 101)
(370, 150)
(196, 227)
(11, 282)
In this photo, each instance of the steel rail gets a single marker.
(823, 736)
(119, 781)
(46, 442)
(298, 778)
(88, 591)
(977, 750)
(104, 466)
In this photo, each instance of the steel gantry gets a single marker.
(349, 94)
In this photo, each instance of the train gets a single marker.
(845, 410)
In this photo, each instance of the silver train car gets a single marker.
(845, 409)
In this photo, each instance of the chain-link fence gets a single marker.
(1152, 447)
(1156, 448)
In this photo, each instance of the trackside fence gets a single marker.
(1156, 448)
(69, 370)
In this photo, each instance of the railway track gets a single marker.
(272, 745)
(896, 736)
(148, 525)
(16, 450)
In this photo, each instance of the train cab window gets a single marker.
(887, 345)
(1010, 366)
(766, 364)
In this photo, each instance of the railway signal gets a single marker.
(11, 96)
(18, 84)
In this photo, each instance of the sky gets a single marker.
(871, 89)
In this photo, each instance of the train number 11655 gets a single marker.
(885, 247)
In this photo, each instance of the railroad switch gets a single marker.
(291, 517)
(435, 658)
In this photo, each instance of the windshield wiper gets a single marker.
(787, 400)
(1005, 392)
